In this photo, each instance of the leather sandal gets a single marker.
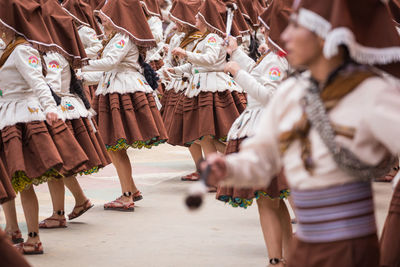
(86, 206)
(137, 196)
(193, 177)
(45, 224)
(119, 205)
(30, 249)
(15, 237)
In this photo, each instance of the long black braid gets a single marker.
(253, 48)
(149, 74)
(76, 87)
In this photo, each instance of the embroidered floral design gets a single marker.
(33, 110)
(33, 61)
(94, 37)
(67, 107)
(54, 65)
(274, 73)
(245, 203)
(120, 44)
(212, 40)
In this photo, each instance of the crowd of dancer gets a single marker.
(280, 99)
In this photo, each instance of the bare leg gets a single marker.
(208, 146)
(76, 190)
(122, 163)
(273, 225)
(11, 216)
(197, 155)
(221, 147)
(31, 210)
(286, 225)
(57, 193)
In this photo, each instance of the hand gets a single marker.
(232, 67)
(171, 70)
(230, 44)
(166, 48)
(263, 49)
(179, 52)
(218, 171)
(51, 117)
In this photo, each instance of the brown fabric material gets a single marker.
(7, 192)
(36, 147)
(343, 84)
(156, 64)
(390, 239)
(90, 142)
(362, 251)
(151, 7)
(233, 146)
(184, 11)
(9, 255)
(169, 102)
(10, 48)
(45, 33)
(94, 3)
(99, 6)
(394, 7)
(264, 16)
(365, 19)
(191, 37)
(206, 114)
(133, 117)
(119, 13)
(214, 13)
(251, 10)
(82, 13)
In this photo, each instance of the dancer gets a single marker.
(330, 127)
(183, 14)
(127, 115)
(35, 145)
(212, 101)
(260, 81)
(74, 108)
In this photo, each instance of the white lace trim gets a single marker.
(181, 21)
(313, 22)
(361, 54)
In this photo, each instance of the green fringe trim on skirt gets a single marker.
(123, 144)
(244, 203)
(20, 181)
(91, 171)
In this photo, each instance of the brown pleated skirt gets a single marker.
(35, 152)
(7, 192)
(239, 197)
(390, 239)
(9, 256)
(129, 120)
(91, 143)
(206, 114)
(355, 252)
(168, 111)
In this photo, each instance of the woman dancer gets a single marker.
(333, 128)
(35, 144)
(127, 115)
(74, 108)
(260, 81)
(212, 101)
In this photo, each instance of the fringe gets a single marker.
(313, 22)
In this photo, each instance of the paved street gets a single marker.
(161, 232)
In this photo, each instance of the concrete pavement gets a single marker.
(161, 232)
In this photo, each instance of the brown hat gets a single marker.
(119, 14)
(99, 6)
(364, 26)
(394, 7)
(214, 14)
(151, 7)
(276, 18)
(56, 32)
(93, 3)
(184, 11)
(251, 10)
(82, 13)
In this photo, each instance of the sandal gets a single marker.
(46, 223)
(119, 205)
(16, 237)
(28, 248)
(86, 206)
(137, 196)
(193, 177)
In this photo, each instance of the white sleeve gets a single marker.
(55, 64)
(182, 69)
(210, 55)
(28, 63)
(120, 46)
(244, 61)
(156, 28)
(275, 71)
(92, 78)
(90, 41)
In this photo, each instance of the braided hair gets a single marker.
(149, 74)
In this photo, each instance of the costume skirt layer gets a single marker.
(88, 137)
(390, 240)
(239, 197)
(7, 192)
(35, 152)
(363, 251)
(129, 120)
(208, 113)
